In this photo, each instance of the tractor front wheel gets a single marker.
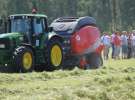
(24, 59)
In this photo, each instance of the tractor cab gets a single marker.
(30, 26)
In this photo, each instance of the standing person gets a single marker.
(124, 42)
(112, 44)
(106, 40)
(129, 45)
(133, 44)
(117, 45)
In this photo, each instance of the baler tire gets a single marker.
(23, 55)
(94, 60)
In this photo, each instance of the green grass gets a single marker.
(114, 81)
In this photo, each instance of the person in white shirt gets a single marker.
(106, 40)
(124, 40)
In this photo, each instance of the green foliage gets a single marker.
(110, 14)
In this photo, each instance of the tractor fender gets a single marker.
(55, 37)
(29, 46)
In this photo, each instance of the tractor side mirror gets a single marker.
(50, 29)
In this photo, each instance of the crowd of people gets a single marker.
(122, 44)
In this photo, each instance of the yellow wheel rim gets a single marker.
(56, 55)
(27, 60)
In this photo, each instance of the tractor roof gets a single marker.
(28, 15)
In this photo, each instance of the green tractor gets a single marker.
(28, 43)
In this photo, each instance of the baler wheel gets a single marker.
(94, 60)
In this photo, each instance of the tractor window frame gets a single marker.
(46, 25)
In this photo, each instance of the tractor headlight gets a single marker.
(2, 46)
(5, 43)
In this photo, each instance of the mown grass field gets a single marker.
(114, 81)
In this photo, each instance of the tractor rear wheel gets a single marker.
(55, 55)
(24, 59)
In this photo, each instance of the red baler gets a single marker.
(81, 41)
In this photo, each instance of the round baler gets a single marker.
(81, 41)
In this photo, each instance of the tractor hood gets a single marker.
(10, 35)
(10, 40)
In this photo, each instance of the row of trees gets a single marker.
(111, 15)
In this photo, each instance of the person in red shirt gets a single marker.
(117, 45)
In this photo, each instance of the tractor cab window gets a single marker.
(38, 26)
(20, 25)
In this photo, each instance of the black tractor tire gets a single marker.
(94, 60)
(23, 59)
(40, 67)
(54, 58)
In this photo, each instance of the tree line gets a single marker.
(111, 15)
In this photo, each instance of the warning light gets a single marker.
(34, 11)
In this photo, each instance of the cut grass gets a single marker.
(114, 81)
